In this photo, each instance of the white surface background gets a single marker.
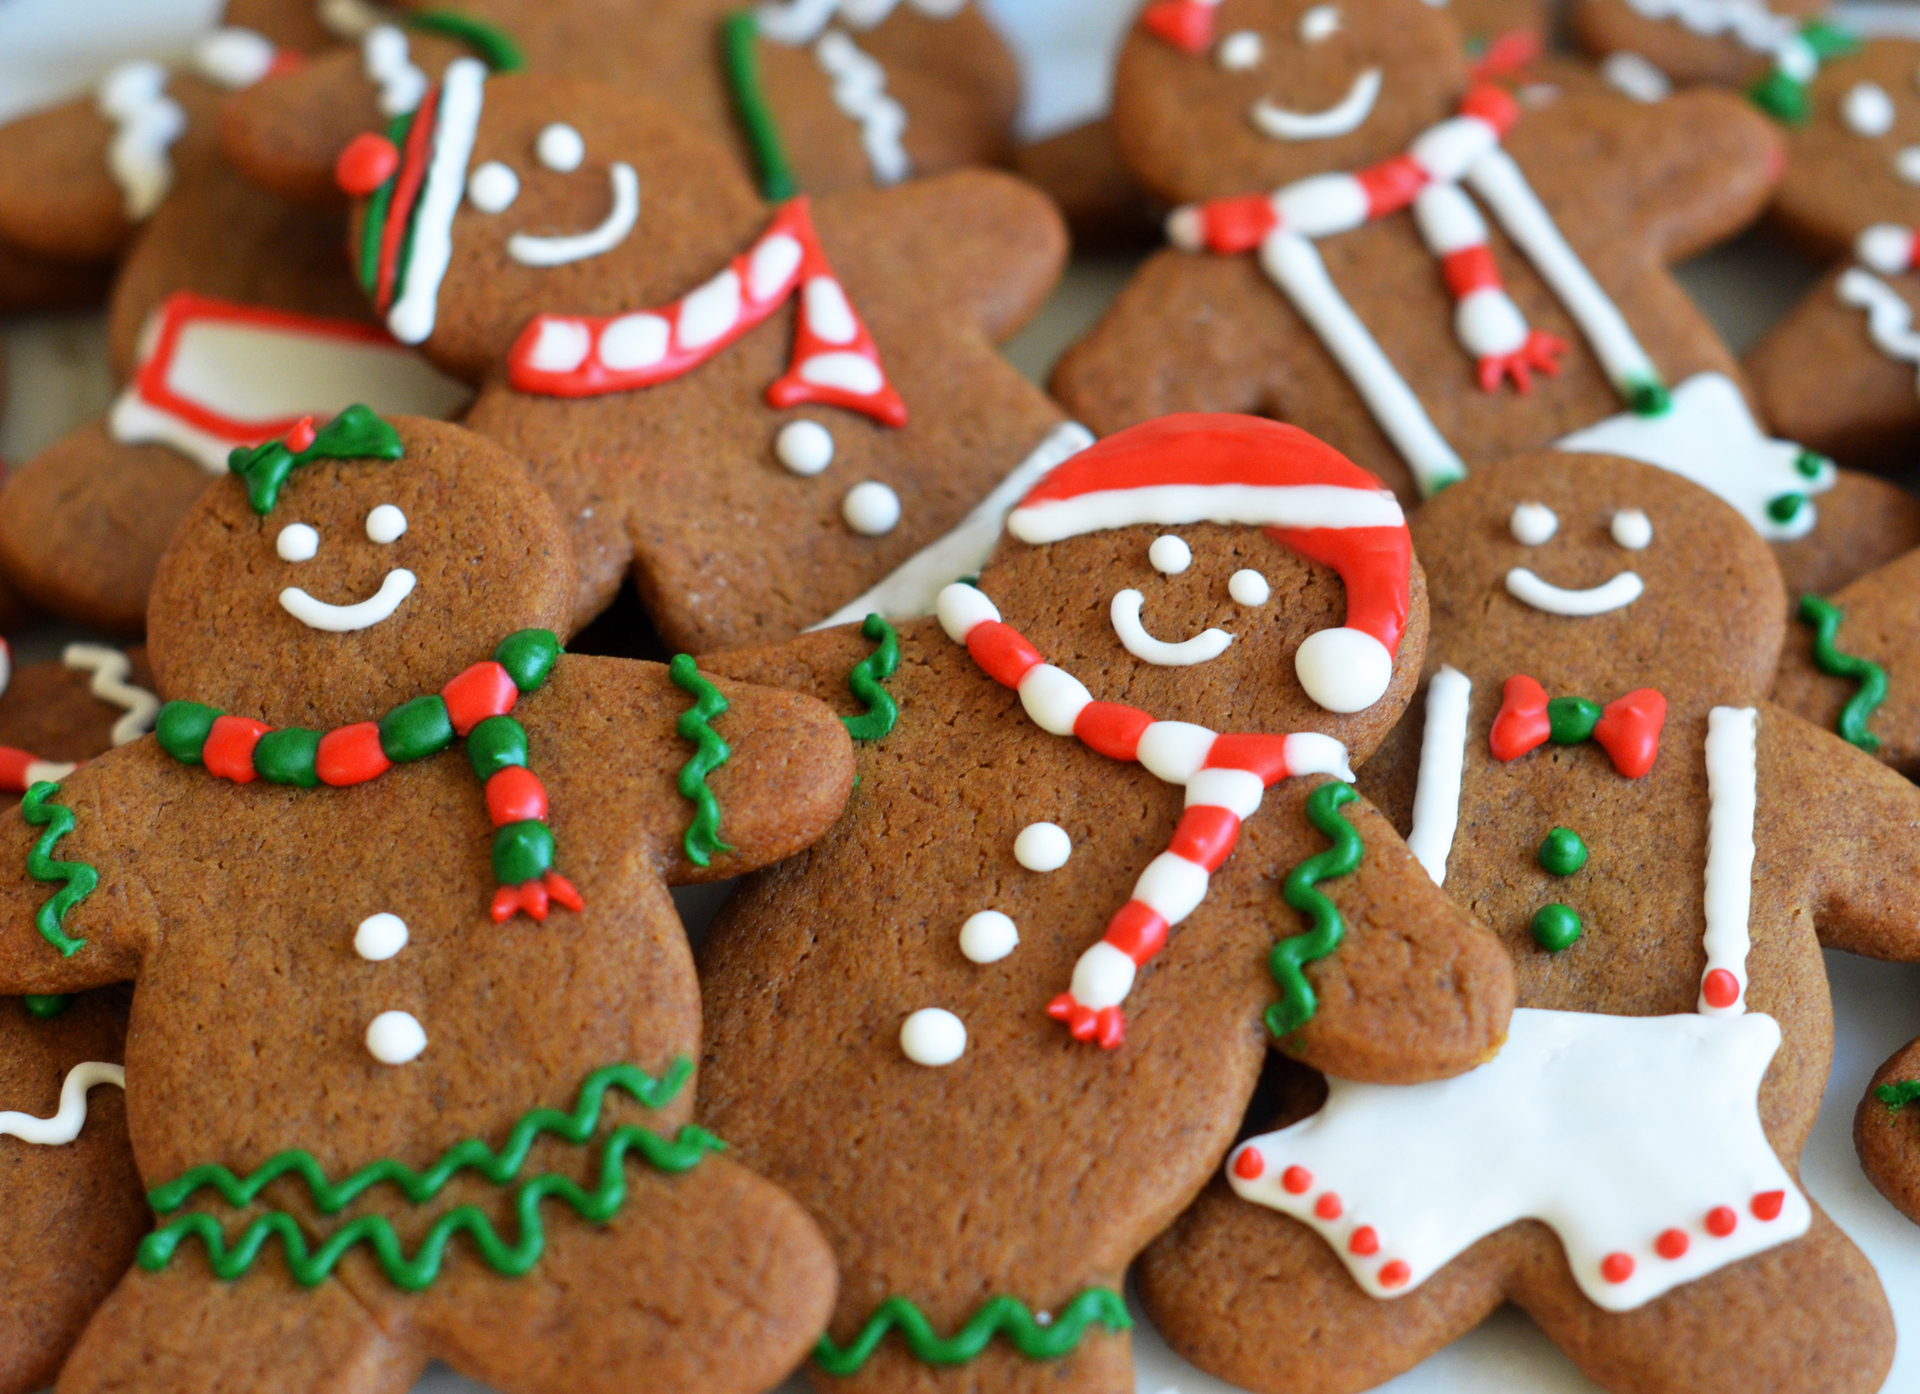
(57, 378)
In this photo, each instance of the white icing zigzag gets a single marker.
(65, 1125)
(147, 122)
(110, 669)
(800, 21)
(1889, 317)
(860, 91)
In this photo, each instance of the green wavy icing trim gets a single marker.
(495, 46)
(1297, 1002)
(310, 1266)
(58, 820)
(738, 36)
(498, 1167)
(1826, 617)
(1000, 1316)
(703, 833)
(1898, 1096)
(864, 682)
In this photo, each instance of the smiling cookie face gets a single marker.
(1280, 89)
(361, 585)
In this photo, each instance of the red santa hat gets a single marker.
(1207, 468)
(1186, 24)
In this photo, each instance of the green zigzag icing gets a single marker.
(1826, 617)
(58, 820)
(703, 833)
(1001, 1316)
(1297, 1002)
(864, 682)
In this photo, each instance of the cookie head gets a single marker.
(1223, 570)
(1244, 95)
(1855, 162)
(350, 567)
(1591, 572)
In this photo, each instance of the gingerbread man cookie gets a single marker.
(439, 1106)
(1664, 852)
(920, 1027)
(1770, 50)
(1362, 294)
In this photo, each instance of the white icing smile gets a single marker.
(529, 250)
(342, 619)
(1529, 589)
(1337, 120)
(1200, 648)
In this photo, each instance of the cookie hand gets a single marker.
(1540, 351)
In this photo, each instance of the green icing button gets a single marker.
(1563, 853)
(1555, 927)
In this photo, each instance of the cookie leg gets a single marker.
(711, 1282)
(1807, 1316)
(184, 1331)
(1258, 1299)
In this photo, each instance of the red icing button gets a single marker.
(1296, 1180)
(1328, 1207)
(1248, 1166)
(1364, 1242)
(1393, 1274)
(1766, 1205)
(368, 162)
(1720, 988)
(1721, 1220)
(1672, 1243)
(1616, 1268)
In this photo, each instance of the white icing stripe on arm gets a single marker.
(1731, 796)
(65, 1125)
(455, 122)
(111, 668)
(1443, 754)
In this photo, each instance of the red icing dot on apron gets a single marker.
(1248, 1166)
(1296, 1180)
(1616, 1268)
(1721, 1220)
(1766, 1205)
(1721, 988)
(1672, 1243)
(1364, 1242)
(1393, 1274)
(1328, 1207)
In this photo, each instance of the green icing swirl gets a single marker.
(703, 833)
(1297, 1002)
(865, 679)
(1826, 617)
(1898, 1096)
(1000, 1316)
(80, 879)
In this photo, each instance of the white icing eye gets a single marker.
(493, 187)
(933, 1036)
(1320, 22)
(297, 542)
(1169, 555)
(988, 937)
(1867, 109)
(1240, 51)
(805, 447)
(1632, 529)
(1248, 588)
(871, 509)
(1042, 847)
(386, 524)
(560, 148)
(1532, 524)
(380, 937)
(1906, 165)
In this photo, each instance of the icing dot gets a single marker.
(1240, 51)
(871, 509)
(1555, 927)
(297, 542)
(988, 937)
(1721, 1221)
(1249, 1164)
(560, 148)
(1319, 23)
(1632, 529)
(1766, 1205)
(1562, 852)
(1906, 164)
(1672, 1243)
(385, 523)
(1328, 1207)
(1867, 109)
(394, 1038)
(805, 447)
(1720, 988)
(1532, 524)
(1394, 1273)
(1042, 847)
(1248, 588)
(933, 1036)
(1295, 1180)
(1365, 1241)
(380, 937)
(493, 187)
(1169, 555)
(1616, 1268)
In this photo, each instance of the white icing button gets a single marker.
(380, 937)
(805, 447)
(493, 187)
(393, 1038)
(871, 509)
(1240, 51)
(297, 542)
(988, 937)
(385, 523)
(1248, 588)
(1169, 555)
(1906, 164)
(1320, 22)
(560, 148)
(1532, 524)
(1042, 847)
(1867, 109)
(1632, 529)
(1344, 670)
(931, 1036)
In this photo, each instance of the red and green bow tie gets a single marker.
(1628, 728)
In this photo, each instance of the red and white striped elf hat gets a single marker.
(1217, 468)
